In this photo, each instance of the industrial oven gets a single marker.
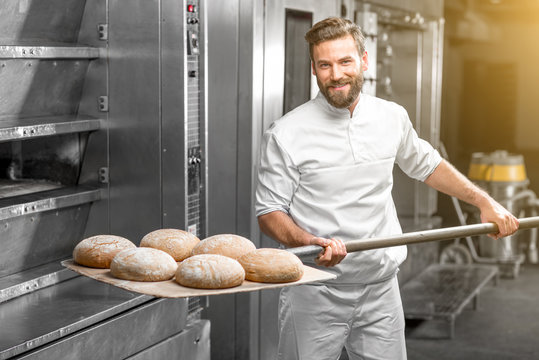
(102, 131)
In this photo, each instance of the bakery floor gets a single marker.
(505, 326)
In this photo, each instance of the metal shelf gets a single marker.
(51, 313)
(48, 52)
(47, 200)
(37, 278)
(25, 128)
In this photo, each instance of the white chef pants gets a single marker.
(316, 321)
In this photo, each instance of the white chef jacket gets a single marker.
(332, 173)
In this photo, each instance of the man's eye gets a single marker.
(323, 65)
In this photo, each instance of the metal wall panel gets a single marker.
(223, 114)
(222, 156)
(134, 123)
(174, 146)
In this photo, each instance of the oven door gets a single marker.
(288, 81)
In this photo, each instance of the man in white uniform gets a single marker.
(326, 178)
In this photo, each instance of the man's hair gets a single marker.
(334, 28)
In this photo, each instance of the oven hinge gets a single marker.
(103, 102)
(103, 31)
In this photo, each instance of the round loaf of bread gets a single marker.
(271, 266)
(210, 271)
(143, 264)
(176, 243)
(98, 251)
(233, 246)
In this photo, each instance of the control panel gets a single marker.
(195, 161)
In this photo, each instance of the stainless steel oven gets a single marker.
(102, 130)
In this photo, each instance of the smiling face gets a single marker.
(339, 68)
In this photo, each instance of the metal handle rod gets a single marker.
(416, 237)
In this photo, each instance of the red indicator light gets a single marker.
(190, 8)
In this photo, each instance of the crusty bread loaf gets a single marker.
(98, 251)
(271, 266)
(210, 271)
(176, 243)
(143, 264)
(233, 246)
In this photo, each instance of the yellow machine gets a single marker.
(498, 167)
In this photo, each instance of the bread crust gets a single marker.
(143, 264)
(177, 243)
(210, 271)
(230, 245)
(99, 250)
(270, 265)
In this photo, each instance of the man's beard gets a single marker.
(339, 99)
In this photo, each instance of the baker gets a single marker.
(325, 178)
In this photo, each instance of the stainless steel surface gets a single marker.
(45, 201)
(184, 77)
(36, 239)
(235, 75)
(51, 84)
(18, 129)
(120, 337)
(224, 158)
(135, 135)
(10, 188)
(409, 63)
(274, 48)
(173, 115)
(33, 87)
(193, 343)
(54, 20)
(47, 52)
(51, 313)
(427, 7)
(297, 84)
(368, 21)
(417, 237)
(34, 279)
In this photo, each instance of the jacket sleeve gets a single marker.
(416, 157)
(278, 177)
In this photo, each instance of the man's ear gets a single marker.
(365, 61)
(312, 67)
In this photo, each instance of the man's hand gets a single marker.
(496, 213)
(333, 253)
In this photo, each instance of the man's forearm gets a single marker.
(448, 180)
(451, 182)
(280, 227)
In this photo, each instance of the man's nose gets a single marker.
(336, 72)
